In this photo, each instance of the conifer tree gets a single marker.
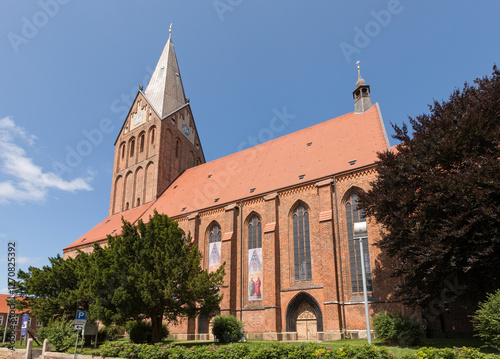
(151, 272)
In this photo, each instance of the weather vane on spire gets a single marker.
(359, 73)
(170, 29)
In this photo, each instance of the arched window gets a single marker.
(301, 244)
(254, 233)
(177, 148)
(214, 248)
(141, 147)
(255, 278)
(138, 201)
(215, 234)
(123, 150)
(132, 146)
(126, 206)
(153, 136)
(353, 215)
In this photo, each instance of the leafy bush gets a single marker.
(141, 332)
(397, 328)
(227, 329)
(238, 351)
(486, 320)
(110, 333)
(60, 333)
(9, 332)
(449, 353)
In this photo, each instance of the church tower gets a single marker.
(158, 140)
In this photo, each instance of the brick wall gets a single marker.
(330, 283)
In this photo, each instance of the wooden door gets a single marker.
(306, 323)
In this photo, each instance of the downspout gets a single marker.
(241, 260)
(337, 232)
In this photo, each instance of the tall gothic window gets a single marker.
(142, 143)
(132, 145)
(301, 244)
(214, 248)
(177, 148)
(255, 269)
(215, 234)
(153, 136)
(254, 233)
(353, 215)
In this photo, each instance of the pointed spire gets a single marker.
(165, 91)
(362, 100)
(361, 81)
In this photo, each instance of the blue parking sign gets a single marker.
(81, 315)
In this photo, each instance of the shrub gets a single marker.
(141, 332)
(449, 353)
(7, 337)
(227, 329)
(238, 351)
(110, 333)
(60, 333)
(486, 320)
(397, 328)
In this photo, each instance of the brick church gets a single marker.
(280, 214)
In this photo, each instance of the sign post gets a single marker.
(81, 319)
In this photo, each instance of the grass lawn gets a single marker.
(23, 346)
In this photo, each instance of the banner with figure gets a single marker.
(255, 274)
(214, 256)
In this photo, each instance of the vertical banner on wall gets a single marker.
(255, 274)
(214, 258)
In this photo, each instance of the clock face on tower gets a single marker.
(137, 119)
(186, 129)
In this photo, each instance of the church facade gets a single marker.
(281, 214)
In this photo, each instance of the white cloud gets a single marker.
(29, 183)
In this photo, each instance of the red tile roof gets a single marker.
(4, 306)
(344, 143)
(111, 225)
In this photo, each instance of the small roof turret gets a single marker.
(362, 100)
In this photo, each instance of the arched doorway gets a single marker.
(304, 317)
(205, 322)
(306, 323)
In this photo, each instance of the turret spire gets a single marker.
(165, 91)
(362, 100)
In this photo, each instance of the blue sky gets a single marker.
(67, 67)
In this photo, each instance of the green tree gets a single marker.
(437, 197)
(150, 272)
(486, 320)
(53, 291)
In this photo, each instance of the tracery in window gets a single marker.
(301, 244)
